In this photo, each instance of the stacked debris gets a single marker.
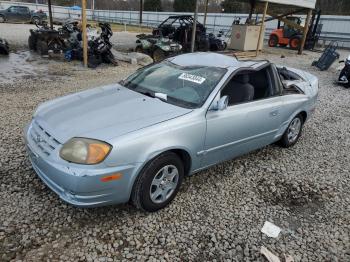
(66, 41)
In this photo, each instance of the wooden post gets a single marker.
(85, 44)
(141, 10)
(194, 27)
(261, 37)
(306, 30)
(50, 13)
(205, 12)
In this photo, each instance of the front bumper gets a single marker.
(79, 186)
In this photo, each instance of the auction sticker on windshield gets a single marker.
(192, 78)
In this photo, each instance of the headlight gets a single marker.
(85, 151)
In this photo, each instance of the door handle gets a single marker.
(274, 113)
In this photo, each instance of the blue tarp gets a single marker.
(75, 7)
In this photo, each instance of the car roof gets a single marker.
(214, 60)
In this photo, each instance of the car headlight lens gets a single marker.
(85, 151)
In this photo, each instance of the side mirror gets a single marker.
(220, 105)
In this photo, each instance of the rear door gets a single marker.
(24, 14)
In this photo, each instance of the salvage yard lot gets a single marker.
(218, 212)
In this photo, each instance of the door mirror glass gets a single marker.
(220, 105)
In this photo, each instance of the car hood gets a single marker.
(103, 113)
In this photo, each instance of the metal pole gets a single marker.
(205, 12)
(261, 37)
(141, 10)
(85, 47)
(194, 27)
(50, 13)
(306, 29)
(93, 9)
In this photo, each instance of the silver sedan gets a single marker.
(136, 140)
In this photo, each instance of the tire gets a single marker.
(290, 137)
(32, 41)
(42, 47)
(94, 61)
(344, 72)
(2, 19)
(295, 42)
(273, 41)
(109, 58)
(36, 20)
(153, 190)
(158, 55)
(138, 49)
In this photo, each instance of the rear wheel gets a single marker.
(293, 132)
(109, 58)
(158, 55)
(42, 47)
(295, 42)
(158, 183)
(273, 41)
(36, 20)
(2, 19)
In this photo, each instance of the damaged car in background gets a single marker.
(136, 140)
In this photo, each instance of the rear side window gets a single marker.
(23, 10)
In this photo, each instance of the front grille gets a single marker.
(42, 139)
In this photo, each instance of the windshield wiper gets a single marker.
(146, 93)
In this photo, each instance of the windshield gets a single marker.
(183, 86)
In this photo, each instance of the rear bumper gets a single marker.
(82, 186)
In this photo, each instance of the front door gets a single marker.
(251, 120)
(240, 129)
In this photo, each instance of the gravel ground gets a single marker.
(217, 214)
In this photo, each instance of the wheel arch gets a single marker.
(182, 153)
(304, 115)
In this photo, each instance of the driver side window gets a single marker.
(12, 9)
(248, 86)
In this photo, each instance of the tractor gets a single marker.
(287, 35)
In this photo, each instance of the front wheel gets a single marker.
(158, 55)
(273, 41)
(158, 183)
(32, 42)
(2, 19)
(293, 132)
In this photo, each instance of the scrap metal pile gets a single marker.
(67, 41)
(173, 36)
